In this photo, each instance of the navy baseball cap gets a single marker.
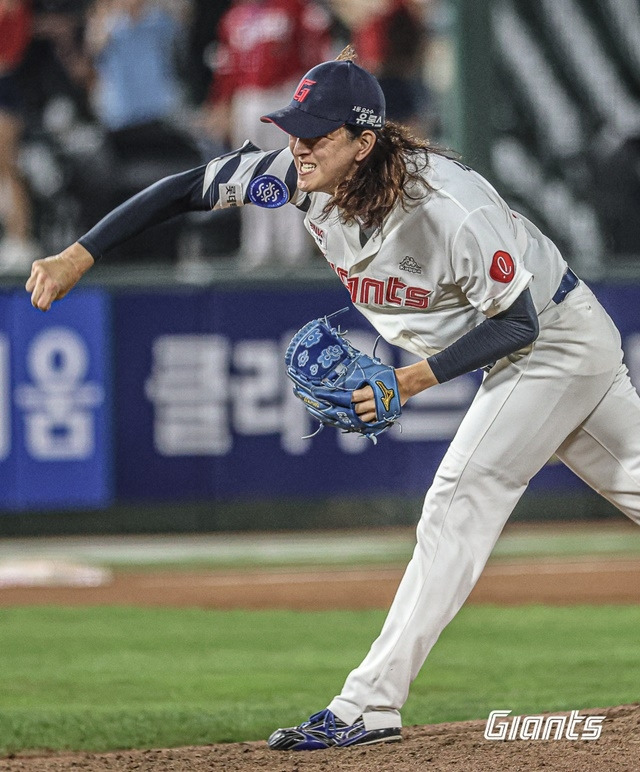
(328, 96)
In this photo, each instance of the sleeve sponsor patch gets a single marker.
(268, 191)
(503, 268)
(230, 194)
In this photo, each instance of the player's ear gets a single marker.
(366, 141)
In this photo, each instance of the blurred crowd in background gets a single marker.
(100, 98)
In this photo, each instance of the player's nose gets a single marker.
(297, 145)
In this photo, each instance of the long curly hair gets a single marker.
(392, 171)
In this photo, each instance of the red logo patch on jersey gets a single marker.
(302, 92)
(503, 269)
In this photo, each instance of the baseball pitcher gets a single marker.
(441, 266)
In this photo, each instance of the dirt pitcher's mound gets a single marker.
(450, 747)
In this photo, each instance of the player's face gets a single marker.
(324, 162)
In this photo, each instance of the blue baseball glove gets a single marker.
(325, 368)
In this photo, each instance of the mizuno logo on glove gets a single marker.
(387, 394)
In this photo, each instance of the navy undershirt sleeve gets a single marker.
(165, 199)
(491, 340)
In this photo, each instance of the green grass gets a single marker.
(107, 678)
(348, 548)
(572, 542)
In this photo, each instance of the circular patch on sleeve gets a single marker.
(503, 269)
(268, 191)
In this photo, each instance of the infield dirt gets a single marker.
(458, 747)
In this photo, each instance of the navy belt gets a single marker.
(569, 282)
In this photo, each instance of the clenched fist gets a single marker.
(52, 277)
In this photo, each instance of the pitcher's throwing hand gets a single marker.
(52, 277)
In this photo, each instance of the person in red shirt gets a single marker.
(263, 48)
(17, 250)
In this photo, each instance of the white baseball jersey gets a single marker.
(433, 273)
(434, 270)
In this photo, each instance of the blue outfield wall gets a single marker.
(149, 396)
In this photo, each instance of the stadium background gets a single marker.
(152, 400)
(115, 413)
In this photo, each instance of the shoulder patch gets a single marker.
(268, 191)
(503, 269)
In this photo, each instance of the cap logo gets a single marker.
(302, 92)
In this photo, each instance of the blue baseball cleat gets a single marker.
(324, 730)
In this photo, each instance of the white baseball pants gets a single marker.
(569, 395)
